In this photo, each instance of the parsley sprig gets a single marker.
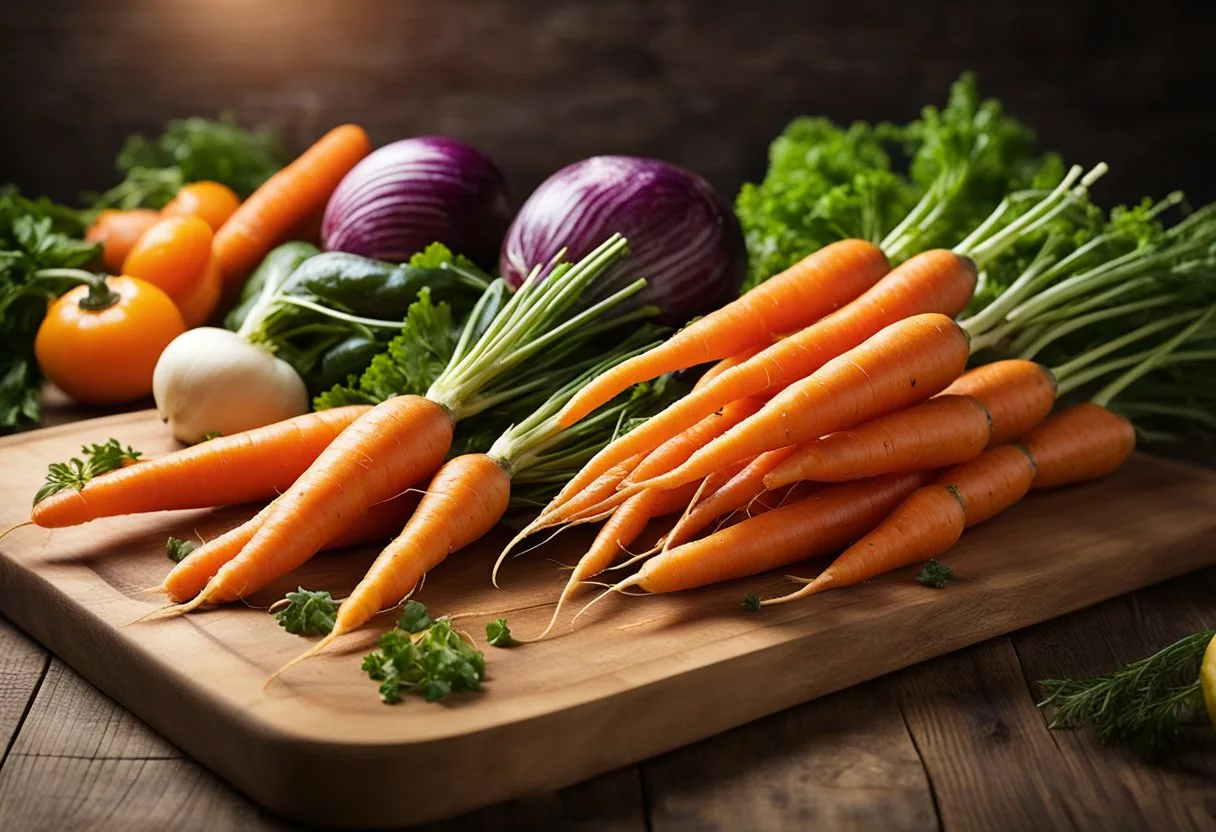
(1142, 705)
(424, 657)
(94, 460)
(935, 575)
(306, 612)
(177, 550)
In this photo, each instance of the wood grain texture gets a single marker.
(845, 762)
(665, 670)
(23, 663)
(542, 83)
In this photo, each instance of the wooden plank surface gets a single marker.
(549, 716)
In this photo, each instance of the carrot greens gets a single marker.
(498, 634)
(935, 575)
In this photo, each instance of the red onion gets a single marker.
(683, 236)
(414, 192)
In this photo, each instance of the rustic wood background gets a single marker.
(540, 83)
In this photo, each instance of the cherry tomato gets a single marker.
(171, 255)
(119, 230)
(199, 302)
(211, 202)
(99, 343)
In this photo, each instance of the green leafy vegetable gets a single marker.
(935, 575)
(37, 238)
(211, 434)
(498, 634)
(410, 362)
(825, 183)
(1142, 705)
(178, 550)
(306, 612)
(192, 150)
(751, 602)
(432, 662)
(94, 460)
(414, 618)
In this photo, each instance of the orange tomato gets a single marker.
(211, 202)
(118, 231)
(198, 303)
(171, 255)
(99, 343)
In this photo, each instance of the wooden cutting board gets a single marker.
(638, 677)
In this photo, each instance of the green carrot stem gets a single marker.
(1110, 391)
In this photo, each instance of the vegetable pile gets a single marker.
(936, 321)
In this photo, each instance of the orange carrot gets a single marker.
(735, 493)
(285, 199)
(729, 363)
(818, 524)
(1018, 394)
(905, 363)
(803, 293)
(622, 529)
(188, 578)
(931, 520)
(1082, 443)
(383, 453)
(934, 281)
(678, 449)
(944, 430)
(254, 465)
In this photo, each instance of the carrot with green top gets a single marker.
(803, 293)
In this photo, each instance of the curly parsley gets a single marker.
(306, 612)
(432, 662)
(94, 460)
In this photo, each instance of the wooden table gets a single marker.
(956, 743)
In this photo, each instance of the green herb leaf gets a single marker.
(751, 602)
(410, 363)
(94, 461)
(935, 575)
(35, 235)
(211, 434)
(178, 550)
(498, 634)
(192, 150)
(306, 612)
(1142, 705)
(432, 663)
(414, 617)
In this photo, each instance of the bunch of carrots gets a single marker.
(852, 407)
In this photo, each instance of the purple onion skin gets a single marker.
(415, 192)
(683, 236)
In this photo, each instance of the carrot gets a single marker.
(729, 363)
(383, 453)
(1082, 443)
(624, 527)
(733, 494)
(188, 578)
(906, 362)
(931, 520)
(934, 281)
(466, 498)
(254, 465)
(1018, 394)
(1079, 444)
(945, 430)
(284, 200)
(803, 293)
(678, 449)
(818, 524)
